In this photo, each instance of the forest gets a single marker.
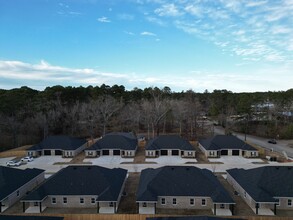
(27, 115)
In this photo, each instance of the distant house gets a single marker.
(114, 144)
(58, 145)
(193, 218)
(79, 187)
(264, 189)
(15, 183)
(226, 145)
(182, 187)
(28, 217)
(169, 145)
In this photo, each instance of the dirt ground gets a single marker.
(241, 208)
(128, 202)
(140, 153)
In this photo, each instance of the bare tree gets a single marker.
(160, 107)
(108, 106)
(179, 110)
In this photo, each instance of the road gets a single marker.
(280, 147)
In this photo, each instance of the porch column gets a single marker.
(275, 209)
(155, 207)
(0, 207)
(115, 207)
(215, 209)
(40, 204)
(232, 209)
(23, 206)
(256, 208)
(98, 207)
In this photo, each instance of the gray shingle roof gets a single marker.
(264, 183)
(168, 142)
(18, 217)
(180, 181)
(119, 140)
(192, 218)
(59, 142)
(12, 179)
(82, 180)
(219, 142)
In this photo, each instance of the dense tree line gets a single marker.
(28, 115)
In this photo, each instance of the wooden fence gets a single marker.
(143, 217)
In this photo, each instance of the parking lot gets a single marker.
(45, 162)
(104, 160)
(171, 160)
(235, 160)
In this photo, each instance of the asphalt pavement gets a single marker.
(281, 146)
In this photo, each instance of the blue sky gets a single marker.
(239, 45)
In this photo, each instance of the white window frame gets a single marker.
(144, 204)
(203, 202)
(193, 201)
(53, 200)
(65, 201)
(163, 199)
(93, 200)
(174, 201)
(289, 203)
(17, 193)
(111, 204)
(81, 200)
(222, 206)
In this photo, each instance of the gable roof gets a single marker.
(180, 181)
(220, 142)
(61, 142)
(265, 183)
(82, 180)
(29, 217)
(192, 218)
(118, 140)
(168, 142)
(12, 179)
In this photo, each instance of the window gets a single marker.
(222, 206)
(189, 153)
(93, 200)
(244, 194)
(90, 153)
(17, 193)
(163, 201)
(289, 202)
(111, 204)
(191, 201)
(65, 200)
(53, 200)
(81, 200)
(174, 201)
(203, 202)
(144, 204)
(36, 204)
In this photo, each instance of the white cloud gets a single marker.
(129, 32)
(127, 17)
(104, 19)
(146, 33)
(43, 74)
(255, 3)
(168, 10)
(156, 20)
